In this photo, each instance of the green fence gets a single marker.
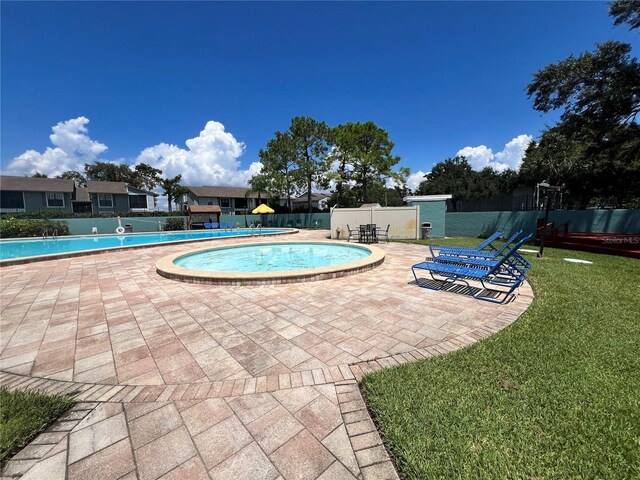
(281, 220)
(476, 223)
(84, 226)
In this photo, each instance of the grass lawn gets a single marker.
(555, 395)
(23, 415)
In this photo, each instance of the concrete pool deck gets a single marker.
(179, 380)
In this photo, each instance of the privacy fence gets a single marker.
(605, 221)
(84, 226)
(456, 223)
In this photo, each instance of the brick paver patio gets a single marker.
(178, 380)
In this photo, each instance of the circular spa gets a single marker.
(269, 263)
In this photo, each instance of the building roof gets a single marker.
(94, 186)
(30, 184)
(140, 191)
(315, 197)
(204, 209)
(82, 195)
(427, 198)
(224, 192)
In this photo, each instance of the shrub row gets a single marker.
(174, 224)
(23, 227)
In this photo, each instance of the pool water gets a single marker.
(11, 249)
(272, 257)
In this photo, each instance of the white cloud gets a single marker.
(72, 149)
(211, 158)
(415, 179)
(513, 151)
(510, 157)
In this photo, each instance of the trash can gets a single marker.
(426, 230)
(128, 228)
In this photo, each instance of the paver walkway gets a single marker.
(178, 380)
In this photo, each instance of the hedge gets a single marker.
(23, 227)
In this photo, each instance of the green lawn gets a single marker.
(555, 395)
(23, 415)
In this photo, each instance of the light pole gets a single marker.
(549, 192)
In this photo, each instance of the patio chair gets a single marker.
(508, 272)
(384, 234)
(444, 255)
(372, 232)
(352, 232)
(208, 225)
(516, 260)
(481, 246)
(215, 225)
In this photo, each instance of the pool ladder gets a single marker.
(253, 228)
(45, 234)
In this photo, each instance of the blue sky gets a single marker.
(149, 76)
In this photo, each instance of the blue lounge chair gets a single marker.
(215, 225)
(484, 262)
(452, 256)
(208, 225)
(482, 246)
(508, 272)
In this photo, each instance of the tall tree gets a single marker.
(112, 172)
(626, 11)
(453, 176)
(78, 178)
(310, 145)
(595, 147)
(279, 167)
(178, 192)
(148, 176)
(340, 166)
(366, 151)
(598, 89)
(170, 187)
(258, 184)
(39, 175)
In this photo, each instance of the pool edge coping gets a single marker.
(166, 268)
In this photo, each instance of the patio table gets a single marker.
(368, 233)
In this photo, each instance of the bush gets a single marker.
(174, 224)
(19, 228)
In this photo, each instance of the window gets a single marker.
(225, 202)
(240, 202)
(138, 201)
(11, 200)
(55, 200)
(105, 200)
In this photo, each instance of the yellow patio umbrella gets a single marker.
(262, 209)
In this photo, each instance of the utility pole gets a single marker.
(549, 196)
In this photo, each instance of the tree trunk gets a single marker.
(364, 190)
(169, 198)
(309, 184)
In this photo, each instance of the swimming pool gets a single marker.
(62, 246)
(269, 262)
(272, 257)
